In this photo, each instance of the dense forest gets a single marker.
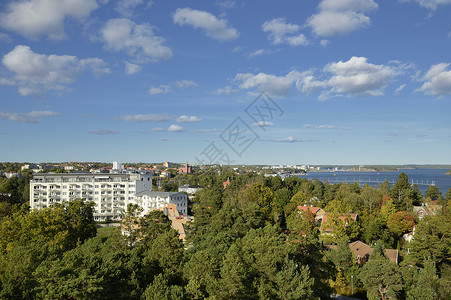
(247, 241)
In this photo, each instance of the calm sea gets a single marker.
(422, 177)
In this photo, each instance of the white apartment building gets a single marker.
(150, 200)
(111, 193)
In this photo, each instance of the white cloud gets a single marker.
(33, 18)
(158, 129)
(308, 84)
(342, 5)
(187, 119)
(256, 53)
(341, 17)
(326, 126)
(263, 124)
(214, 28)
(350, 78)
(131, 68)
(224, 91)
(291, 139)
(138, 41)
(207, 130)
(430, 4)
(358, 77)
(103, 132)
(162, 89)
(240, 48)
(297, 40)
(271, 84)
(226, 4)
(145, 118)
(437, 81)
(30, 117)
(185, 83)
(282, 32)
(176, 128)
(126, 7)
(34, 73)
(324, 43)
(400, 88)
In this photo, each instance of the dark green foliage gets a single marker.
(254, 268)
(432, 239)
(401, 193)
(425, 283)
(433, 192)
(380, 277)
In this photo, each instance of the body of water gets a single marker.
(422, 177)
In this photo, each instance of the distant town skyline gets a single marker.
(359, 82)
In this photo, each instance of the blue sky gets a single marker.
(255, 82)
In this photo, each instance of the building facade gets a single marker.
(111, 193)
(150, 200)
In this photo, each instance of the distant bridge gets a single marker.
(376, 181)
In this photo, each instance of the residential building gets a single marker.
(427, 209)
(155, 200)
(226, 183)
(186, 169)
(111, 193)
(178, 221)
(362, 252)
(117, 166)
(167, 164)
(10, 175)
(189, 189)
(170, 210)
(318, 212)
(30, 167)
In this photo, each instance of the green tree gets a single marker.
(371, 198)
(426, 283)
(400, 223)
(294, 282)
(432, 239)
(342, 257)
(433, 192)
(283, 197)
(401, 192)
(159, 289)
(380, 277)
(264, 197)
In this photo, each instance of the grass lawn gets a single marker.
(105, 232)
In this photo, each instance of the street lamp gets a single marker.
(352, 284)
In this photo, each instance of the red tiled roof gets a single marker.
(362, 252)
(312, 209)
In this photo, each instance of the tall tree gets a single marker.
(380, 277)
(433, 192)
(401, 191)
(426, 283)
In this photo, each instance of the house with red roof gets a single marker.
(318, 212)
(427, 209)
(226, 183)
(362, 252)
